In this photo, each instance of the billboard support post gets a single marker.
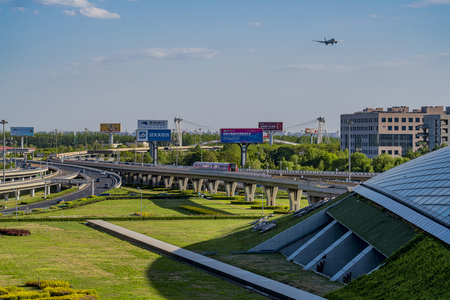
(243, 137)
(244, 148)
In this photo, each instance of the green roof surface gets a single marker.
(381, 231)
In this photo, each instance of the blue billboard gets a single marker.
(153, 135)
(241, 135)
(22, 131)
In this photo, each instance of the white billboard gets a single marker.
(152, 124)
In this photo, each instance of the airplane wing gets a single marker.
(318, 41)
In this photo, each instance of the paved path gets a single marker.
(265, 285)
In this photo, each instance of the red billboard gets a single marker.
(310, 130)
(271, 126)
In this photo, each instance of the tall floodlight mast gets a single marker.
(178, 131)
(320, 129)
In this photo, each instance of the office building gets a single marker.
(436, 129)
(393, 131)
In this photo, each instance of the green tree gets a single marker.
(360, 162)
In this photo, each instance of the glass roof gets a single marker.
(422, 183)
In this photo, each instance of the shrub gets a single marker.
(37, 210)
(69, 203)
(10, 289)
(83, 199)
(53, 207)
(14, 232)
(24, 295)
(93, 196)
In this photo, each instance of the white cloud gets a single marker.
(311, 67)
(255, 24)
(251, 50)
(442, 55)
(158, 53)
(392, 64)
(373, 16)
(36, 12)
(82, 7)
(71, 3)
(70, 13)
(424, 3)
(98, 13)
(19, 8)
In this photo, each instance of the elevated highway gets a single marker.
(169, 175)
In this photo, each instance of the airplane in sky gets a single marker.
(326, 42)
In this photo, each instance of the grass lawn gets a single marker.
(90, 259)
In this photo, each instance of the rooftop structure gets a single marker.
(355, 235)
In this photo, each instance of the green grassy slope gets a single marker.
(385, 233)
(420, 270)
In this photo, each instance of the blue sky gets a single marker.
(73, 64)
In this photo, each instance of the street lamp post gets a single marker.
(85, 138)
(56, 143)
(349, 122)
(262, 201)
(200, 144)
(4, 165)
(141, 199)
(14, 192)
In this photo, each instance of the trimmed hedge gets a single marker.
(42, 284)
(240, 202)
(200, 210)
(132, 218)
(277, 207)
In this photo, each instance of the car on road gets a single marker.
(98, 179)
(104, 194)
(106, 185)
(102, 173)
(60, 201)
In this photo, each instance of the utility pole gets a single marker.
(4, 122)
(349, 122)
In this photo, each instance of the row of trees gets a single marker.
(306, 156)
(322, 157)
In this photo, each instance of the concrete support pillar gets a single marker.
(182, 183)
(249, 190)
(271, 195)
(17, 194)
(48, 190)
(146, 179)
(294, 199)
(168, 181)
(155, 180)
(135, 178)
(45, 190)
(197, 183)
(230, 188)
(314, 199)
(5, 196)
(32, 191)
(213, 186)
(58, 187)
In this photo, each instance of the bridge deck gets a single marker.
(265, 285)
